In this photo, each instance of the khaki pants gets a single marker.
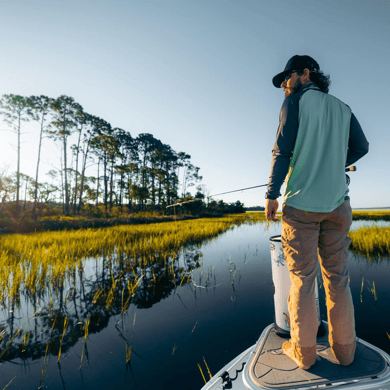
(303, 234)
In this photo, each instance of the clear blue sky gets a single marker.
(197, 75)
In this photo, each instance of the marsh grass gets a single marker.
(35, 261)
(48, 260)
(61, 222)
(208, 370)
(45, 360)
(372, 290)
(128, 345)
(26, 337)
(371, 215)
(9, 383)
(200, 368)
(66, 323)
(84, 347)
(10, 342)
(128, 351)
(372, 242)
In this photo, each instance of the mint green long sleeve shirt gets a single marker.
(318, 135)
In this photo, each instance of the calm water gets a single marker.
(171, 329)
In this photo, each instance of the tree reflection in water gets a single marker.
(33, 325)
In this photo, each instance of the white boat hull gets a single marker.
(264, 366)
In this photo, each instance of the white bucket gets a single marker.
(282, 283)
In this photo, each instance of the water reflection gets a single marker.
(33, 325)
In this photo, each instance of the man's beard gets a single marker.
(297, 87)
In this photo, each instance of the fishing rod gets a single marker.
(179, 204)
(350, 169)
(194, 200)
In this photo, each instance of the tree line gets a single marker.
(132, 172)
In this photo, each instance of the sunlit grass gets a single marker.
(36, 261)
(372, 290)
(371, 241)
(10, 342)
(371, 215)
(200, 368)
(84, 347)
(9, 383)
(45, 360)
(66, 323)
(208, 370)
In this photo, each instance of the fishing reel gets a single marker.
(350, 169)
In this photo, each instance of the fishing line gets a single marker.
(242, 189)
(223, 193)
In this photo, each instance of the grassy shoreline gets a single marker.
(77, 223)
(58, 223)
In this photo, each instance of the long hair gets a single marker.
(320, 79)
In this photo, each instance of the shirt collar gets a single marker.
(310, 85)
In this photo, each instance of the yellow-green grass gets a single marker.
(372, 242)
(371, 215)
(38, 260)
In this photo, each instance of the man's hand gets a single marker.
(270, 210)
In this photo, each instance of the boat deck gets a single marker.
(271, 368)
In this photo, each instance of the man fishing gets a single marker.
(317, 138)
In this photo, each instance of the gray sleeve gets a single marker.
(284, 146)
(357, 144)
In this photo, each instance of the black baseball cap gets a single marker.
(295, 63)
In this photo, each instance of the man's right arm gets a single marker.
(357, 144)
